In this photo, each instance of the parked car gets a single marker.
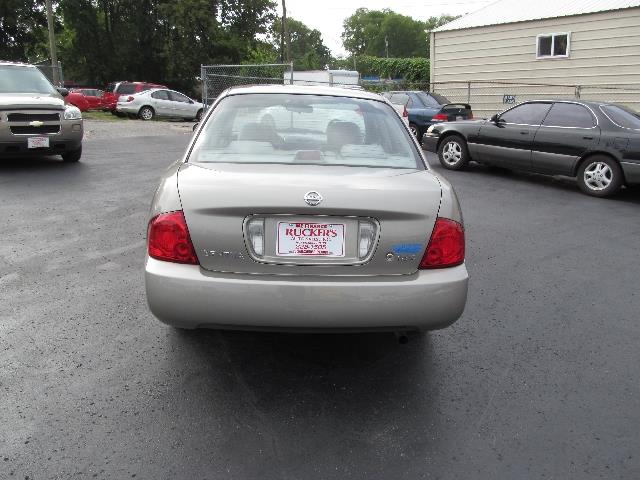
(426, 108)
(77, 100)
(93, 97)
(114, 90)
(34, 119)
(160, 102)
(596, 142)
(341, 228)
(402, 111)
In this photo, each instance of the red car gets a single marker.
(115, 89)
(92, 95)
(77, 100)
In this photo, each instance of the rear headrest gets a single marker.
(341, 133)
(258, 132)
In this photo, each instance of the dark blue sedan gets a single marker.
(427, 108)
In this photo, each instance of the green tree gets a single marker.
(308, 51)
(382, 33)
(23, 30)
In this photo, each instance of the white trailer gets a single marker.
(337, 78)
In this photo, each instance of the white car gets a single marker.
(160, 102)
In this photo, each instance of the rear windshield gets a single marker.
(126, 88)
(309, 129)
(432, 99)
(18, 79)
(622, 116)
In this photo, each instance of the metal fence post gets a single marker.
(578, 88)
(290, 73)
(468, 92)
(203, 80)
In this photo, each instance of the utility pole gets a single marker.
(52, 45)
(287, 39)
(386, 45)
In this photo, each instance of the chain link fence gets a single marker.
(489, 97)
(54, 74)
(217, 78)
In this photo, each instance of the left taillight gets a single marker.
(130, 99)
(405, 112)
(168, 239)
(446, 246)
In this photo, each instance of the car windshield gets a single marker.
(432, 99)
(624, 117)
(22, 79)
(305, 129)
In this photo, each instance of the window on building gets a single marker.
(553, 45)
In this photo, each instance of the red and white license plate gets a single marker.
(310, 239)
(37, 142)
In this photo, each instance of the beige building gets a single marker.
(516, 50)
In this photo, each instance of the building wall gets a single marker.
(604, 51)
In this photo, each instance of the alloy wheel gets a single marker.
(598, 176)
(452, 153)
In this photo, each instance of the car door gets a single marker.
(508, 140)
(181, 105)
(568, 131)
(161, 103)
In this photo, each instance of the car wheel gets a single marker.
(199, 115)
(72, 156)
(415, 130)
(600, 176)
(453, 153)
(146, 113)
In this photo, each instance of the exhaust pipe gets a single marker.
(402, 337)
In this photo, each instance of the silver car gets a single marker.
(160, 102)
(317, 223)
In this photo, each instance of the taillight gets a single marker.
(130, 99)
(168, 239)
(440, 117)
(446, 246)
(405, 112)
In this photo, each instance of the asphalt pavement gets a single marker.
(538, 379)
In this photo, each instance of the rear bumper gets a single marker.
(189, 297)
(430, 142)
(127, 108)
(631, 172)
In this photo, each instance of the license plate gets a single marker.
(459, 117)
(310, 239)
(37, 142)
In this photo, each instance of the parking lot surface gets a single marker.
(538, 379)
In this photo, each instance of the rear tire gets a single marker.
(199, 115)
(146, 113)
(453, 153)
(600, 176)
(72, 156)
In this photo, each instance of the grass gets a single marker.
(102, 116)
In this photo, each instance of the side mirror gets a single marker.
(195, 126)
(62, 91)
(494, 118)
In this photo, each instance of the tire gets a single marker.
(600, 176)
(199, 115)
(146, 113)
(416, 131)
(453, 153)
(72, 156)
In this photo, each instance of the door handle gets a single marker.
(588, 137)
(524, 132)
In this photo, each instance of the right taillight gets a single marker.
(440, 117)
(168, 239)
(446, 246)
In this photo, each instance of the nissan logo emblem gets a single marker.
(312, 198)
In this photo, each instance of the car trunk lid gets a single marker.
(219, 201)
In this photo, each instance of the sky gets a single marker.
(327, 15)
